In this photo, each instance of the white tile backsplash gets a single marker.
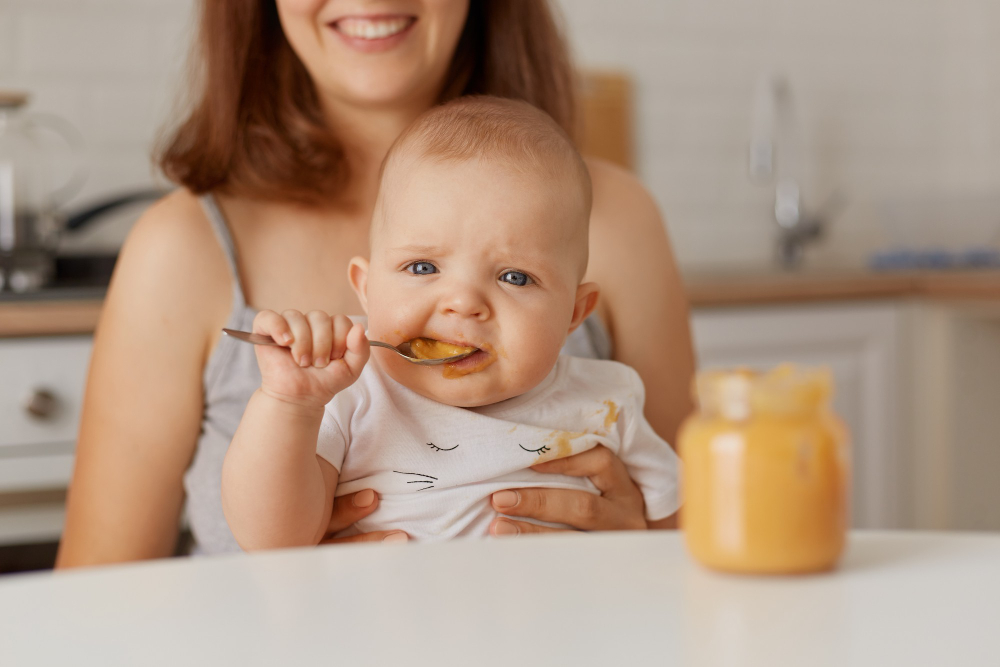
(895, 99)
(8, 29)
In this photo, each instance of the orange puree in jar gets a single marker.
(428, 348)
(766, 472)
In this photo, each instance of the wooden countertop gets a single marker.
(736, 288)
(704, 289)
(48, 317)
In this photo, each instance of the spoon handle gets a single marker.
(261, 339)
(256, 339)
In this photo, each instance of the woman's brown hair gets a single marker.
(257, 128)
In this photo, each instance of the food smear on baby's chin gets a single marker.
(429, 348)
(473, 363)
(612, 415)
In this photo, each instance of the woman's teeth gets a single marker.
(372, 28)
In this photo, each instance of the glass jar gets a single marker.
(766, 472)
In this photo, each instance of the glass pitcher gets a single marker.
(29, 194)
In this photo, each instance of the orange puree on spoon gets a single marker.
(428, 348)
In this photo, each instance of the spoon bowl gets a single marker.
(403, 349)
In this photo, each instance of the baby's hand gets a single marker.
(327, 355)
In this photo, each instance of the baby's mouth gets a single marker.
(430, 348)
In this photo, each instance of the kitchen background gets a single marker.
(896, 104)
(896, 100)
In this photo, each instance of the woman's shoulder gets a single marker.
(620, 198)
(174, 220)
(627, 232)
(172, 260)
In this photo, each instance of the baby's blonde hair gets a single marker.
(491, 129)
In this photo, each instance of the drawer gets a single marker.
(53, 367)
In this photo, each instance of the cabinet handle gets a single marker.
(41, 404)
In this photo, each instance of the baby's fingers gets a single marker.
(302, 345)
(357, 352)
(270, 323)
(322, 337)
(342, 325)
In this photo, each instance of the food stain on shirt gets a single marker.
(612, 415)
(559, 445)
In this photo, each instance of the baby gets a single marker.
(479, 241)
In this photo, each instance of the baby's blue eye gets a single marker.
(421, 268)
(515, 278)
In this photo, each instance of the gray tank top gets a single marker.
(231, 376)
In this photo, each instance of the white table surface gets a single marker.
(610, 599)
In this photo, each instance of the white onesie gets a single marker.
(435, 466)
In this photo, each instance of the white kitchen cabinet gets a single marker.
(862, 343)
(953, 424)
(41, 392)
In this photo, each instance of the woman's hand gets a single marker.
(348, 510)
(619, 507)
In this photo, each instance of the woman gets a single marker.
(299, 101)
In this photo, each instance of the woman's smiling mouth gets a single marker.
(372, 28)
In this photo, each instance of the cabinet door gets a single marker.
(860, 344)
(41, 391)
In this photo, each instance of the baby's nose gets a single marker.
(465, 302)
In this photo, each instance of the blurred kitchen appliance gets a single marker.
(774, 158)
(29, 198)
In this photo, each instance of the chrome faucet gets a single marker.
(774, 155)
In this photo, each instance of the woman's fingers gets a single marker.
(619, 507)
(581, 509)
(604, 469)
(347, 510)
(501, 527)
(387, 536)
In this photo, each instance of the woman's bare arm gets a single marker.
(143, 405)
(642, 296)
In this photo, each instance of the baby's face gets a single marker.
(475, 254)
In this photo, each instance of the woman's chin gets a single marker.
(377, 88)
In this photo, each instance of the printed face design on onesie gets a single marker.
(479, 254)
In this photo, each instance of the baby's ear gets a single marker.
(586, 301)
(357, 274)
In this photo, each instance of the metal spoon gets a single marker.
(403, 349)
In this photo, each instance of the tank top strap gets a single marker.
(221, 229)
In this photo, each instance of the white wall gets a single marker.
(898, 101)
(111, 67)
